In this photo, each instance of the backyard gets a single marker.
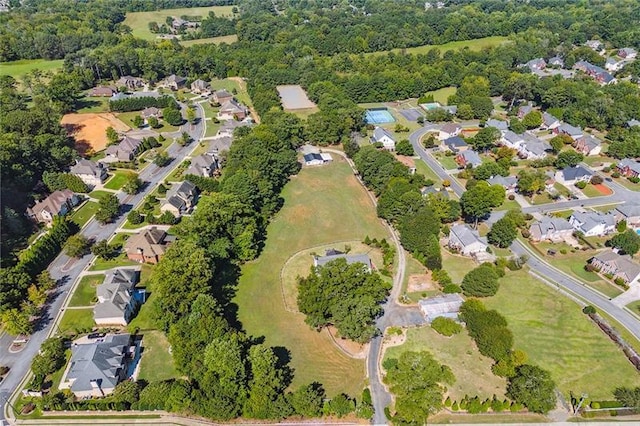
(233, 84)
(471, 369)
(156, 363)
(17, 69)
(441, 95)
(474, 45)
(556, 335)
(139, 21)
(323, 205)
(213, 40)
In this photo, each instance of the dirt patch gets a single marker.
(89, 130)
(421, 282)
(349, 347)
(603, 189)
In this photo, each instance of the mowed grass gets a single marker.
(92, 104)
(474, 45)
(229, 84)
(156, 363)
(556, 335)
(86, 290)
(17, 69)
(139, 21)
(471, 369)
(456, 266)
(118, 180)
(81, 216)
(323, 205)
(76, 319)
(441, 95)
(213, 40)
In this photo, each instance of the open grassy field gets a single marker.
(139, 21)
(509, 205)
(213, 40)
(156, 363)
(323, 205)
(86, 290)
(118, 179)
(457, 266)
(17, 69)
(474, 45)
(441, 95)
(556, 335)
(424, 170)
(121, 260)
(471, 369)
(76, 319)
(231, 84)
(92, 104)
(84, 213)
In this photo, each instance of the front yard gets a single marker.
(118, 180)
(76, 320)
(85, 292)
(82, 215)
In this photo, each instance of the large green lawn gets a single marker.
(17, 69)
(441, 95)
(474, 45)
(323, 205)
(213, 40)
(85, 292)
(457, 266)
(230, 85)
(139, 21)
(118, 180)
(557, 336)
(75, 320)
(82, 215)
(92, 104)
(156, 363)
(471, 369)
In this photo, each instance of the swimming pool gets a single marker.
(378, 116)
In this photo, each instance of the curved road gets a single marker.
(66, 270)
(536, 263)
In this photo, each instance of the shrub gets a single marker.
(563, 251)
(446, 326)
(615, 175)
(595, 405)
(633, 179)
(455, 406)
(606, 169)
(451, 288)
(596, 180)
(581, 185)
(525, 233)
(447, 402)
(511, 197)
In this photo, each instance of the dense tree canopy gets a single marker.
(533, 387)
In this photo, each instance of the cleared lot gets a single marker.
(294, 97)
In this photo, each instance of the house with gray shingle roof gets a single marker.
(533, 148)
(98, 365)
(511, 139)
(90, 172)
(58, 203)
(554, 229)
(588, 145)
(568, 129)
(205, 165)
(593, 223)
(498, 124)
(125, 150)
(468, 157)
(573, 175)
(509, 182)
(620, 266)
(466, 241)
(200, 86)
(456, 144)
(524, 110)
(385, 137)
(116, 302)
(332, 254)
(556, 61)
(549, 122)
(629, 212)
(180, 198)
(628, 167)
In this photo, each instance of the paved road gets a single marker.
(66, 270)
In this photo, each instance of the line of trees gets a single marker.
(137, 103)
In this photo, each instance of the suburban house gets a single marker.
(498, 124)
(593, 223)
(333, 254)
(595, 45)
(568, 129)
(103, 91)
(317, 159)
(597, 73)
(174, 82)
(125, 150)
(205, 165)
(549, 122)
(511, 140)
(556, 61)
(524, 110)
(627, 53)
(178, 23)
(147, 113)
(610, 262)
(612, 64)
(573, 175)
(447, 305)
(533, 148)
(180, 199)
(407, 161)
(89, 172)
(588, 145)
(220, 143)
(466, 241)
(116, 302)
(229, 127)
(628, 167)
(232, 110)
(468, 157)
(630, 213)
(536, 64)
(431, 190)
(510, 183)
(633, 123)
(383, 136)
(553, 229)
(98, 365)
(200, 86)
(221, 96)
(449, 130)
(58, 203)
(131, 83)
(456, 144)
(147, 246)
(451, 109)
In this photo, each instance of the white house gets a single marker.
(554, 229)
(89, 172)
(593, 223)
(511, 140)
(317, 159)
(383, 136)
(549, 122)
(466, 240)
(573, 175)
(449, 130)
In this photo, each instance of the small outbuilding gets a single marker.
(447, 306)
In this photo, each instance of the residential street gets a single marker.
(66, 270)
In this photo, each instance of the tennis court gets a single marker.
(378, 116)
(411, 114)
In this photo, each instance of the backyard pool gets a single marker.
(378, 116)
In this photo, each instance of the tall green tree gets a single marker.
(533, 387)
(481, 281)
(266, 386)
(108, 208)
(628, 242)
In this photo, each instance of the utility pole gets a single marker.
(582, 398)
